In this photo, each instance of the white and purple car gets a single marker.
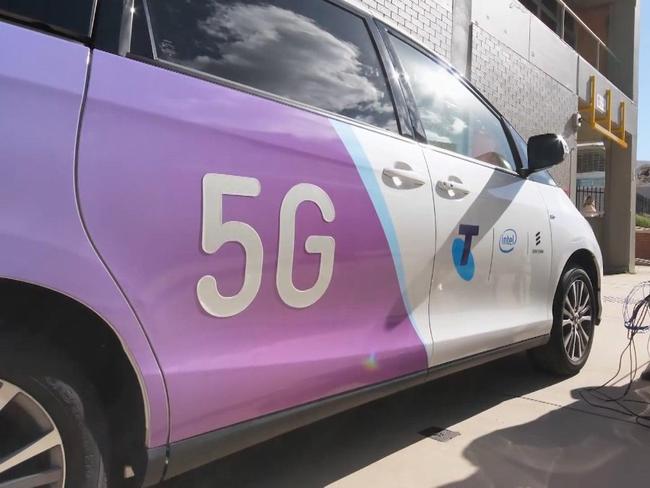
(221, 220)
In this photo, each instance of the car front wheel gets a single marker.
(573, 326)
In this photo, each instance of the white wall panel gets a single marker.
(506, 20)
(552, 55)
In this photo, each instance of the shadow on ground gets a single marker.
(575, 445)
(333, 448)
(583, 444)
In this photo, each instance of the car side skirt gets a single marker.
(196, 451)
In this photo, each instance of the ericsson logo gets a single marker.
(507, 241)
(461, 251)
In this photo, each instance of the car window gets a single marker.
(521, 144)
(309, 51)
(452, 116)
(75, 16)
(522, 147)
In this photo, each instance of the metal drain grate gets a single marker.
(438, 434)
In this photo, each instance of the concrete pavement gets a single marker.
(513, 427)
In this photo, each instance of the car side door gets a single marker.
(250, 191)
(491, 272)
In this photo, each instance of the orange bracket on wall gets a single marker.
(604, 124)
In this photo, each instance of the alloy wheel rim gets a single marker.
(32, 453)
(576, 321)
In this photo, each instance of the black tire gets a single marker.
(553, 357)
(70, 401)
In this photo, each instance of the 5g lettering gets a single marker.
(215, 233)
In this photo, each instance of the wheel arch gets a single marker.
(586, 260)
(45, 314)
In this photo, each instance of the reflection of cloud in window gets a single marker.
(458, 126)
(286, 53)
(435, 91)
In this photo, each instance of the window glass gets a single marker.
(453, 118)
(75, 16)
(310, 51)
(522, 145)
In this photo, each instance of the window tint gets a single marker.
(75, 16)
(453, 118)
(522, 145)
(310, 51)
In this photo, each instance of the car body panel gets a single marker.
(149, 137)
(500, 296)
(406, 216)
(42, 238)
(121, 233)
(570, 233)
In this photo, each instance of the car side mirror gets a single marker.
(546, 150)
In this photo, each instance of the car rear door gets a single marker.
(492, 252)
(249, 189)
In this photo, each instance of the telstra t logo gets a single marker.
(461, 251)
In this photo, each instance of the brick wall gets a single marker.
(530, 99)
(427, 21)
(643, 244)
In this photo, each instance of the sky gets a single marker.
(643, 146)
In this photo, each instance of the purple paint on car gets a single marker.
(146, 189)
(43, 238)
(222, 220)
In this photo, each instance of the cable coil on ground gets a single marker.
(636, 320)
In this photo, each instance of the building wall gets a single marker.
(427, 21)
(642, 244)
(530, 99)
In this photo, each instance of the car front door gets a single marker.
(276, 250)
(493, 252)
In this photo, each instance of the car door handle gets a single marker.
(402, 179)
(454, 189)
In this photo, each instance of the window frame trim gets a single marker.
(387, 31)
(398, 95)
(414, 114)
(394, 91)
(249, 90)
(512, 131)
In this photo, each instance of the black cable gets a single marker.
(634, 325)
(622, 409)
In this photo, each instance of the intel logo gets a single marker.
(508, 240)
